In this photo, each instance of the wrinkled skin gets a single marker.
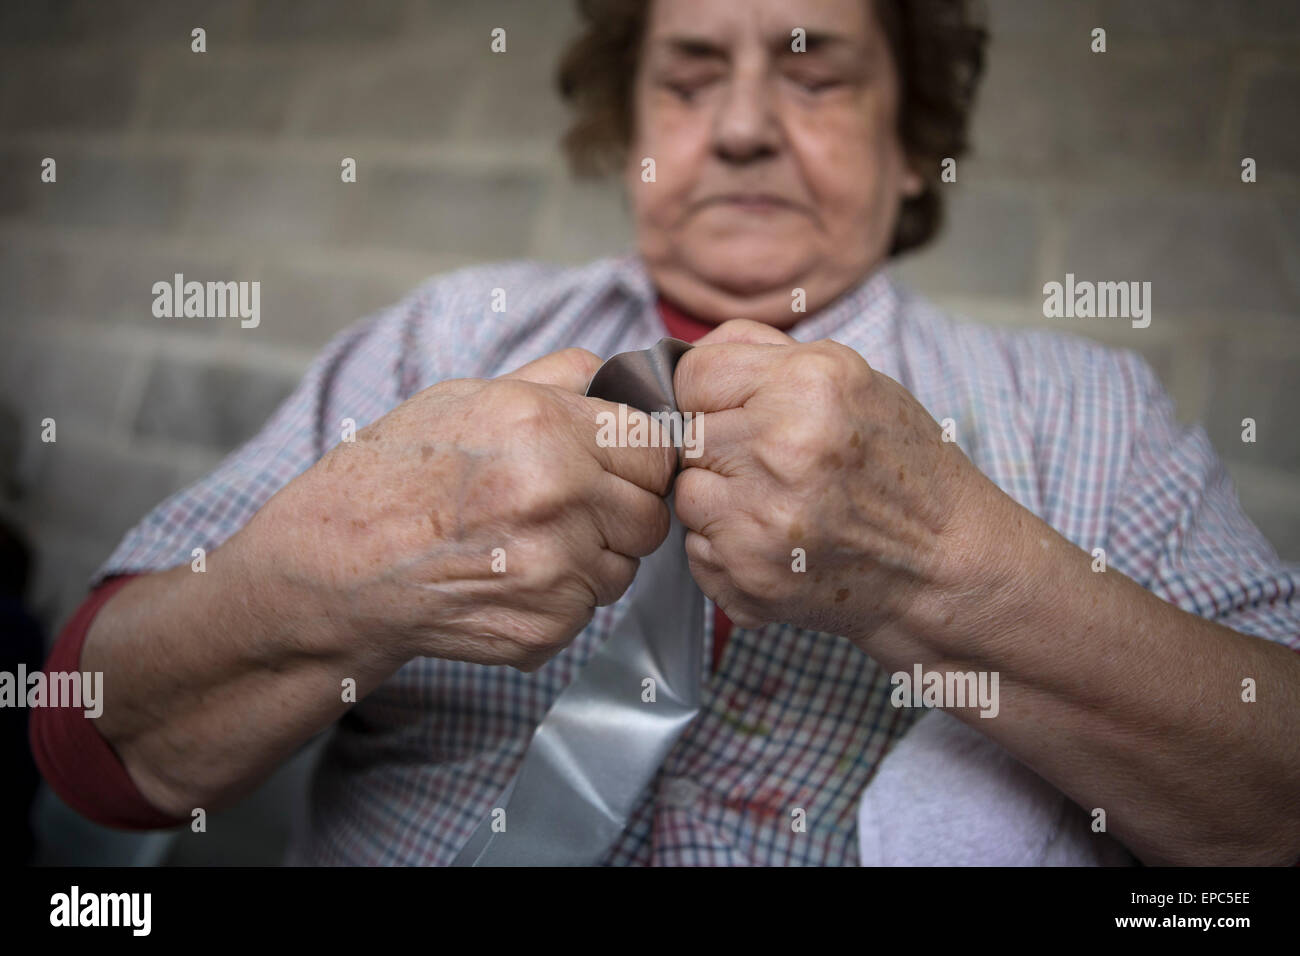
(807, 447)
(393, 535)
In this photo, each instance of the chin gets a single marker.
(747, 266)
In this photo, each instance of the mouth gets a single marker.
(751, 202)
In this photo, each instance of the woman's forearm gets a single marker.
(1134, 706)
(210, 680)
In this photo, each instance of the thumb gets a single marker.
(747, 331)
(569, 369)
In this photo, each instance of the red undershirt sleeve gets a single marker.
(76, 760)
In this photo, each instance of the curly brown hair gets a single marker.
(938, 46)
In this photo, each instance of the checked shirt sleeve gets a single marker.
(357, 376)
(1178, 528)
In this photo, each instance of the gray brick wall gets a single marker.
(1127, 165)
(225, 165)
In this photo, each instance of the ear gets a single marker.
(913, 183)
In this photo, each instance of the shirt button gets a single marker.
(679, 793)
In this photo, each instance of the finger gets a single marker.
(745, 331)
(631, 520)
(611, 432)
(710, 378)
(705, 565)
(612, 576)
(721, 441)
(701, 498)
(569, 369)
(708, 572)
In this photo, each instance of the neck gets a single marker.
(781, 307)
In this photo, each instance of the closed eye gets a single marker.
(817, 84)
(686, 90)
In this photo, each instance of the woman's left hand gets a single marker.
(823, 495)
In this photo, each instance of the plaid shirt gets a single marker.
(1081, 435)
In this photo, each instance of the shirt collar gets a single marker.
(864, 317)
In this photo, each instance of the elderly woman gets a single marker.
(1058, 529)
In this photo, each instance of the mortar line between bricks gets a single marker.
(364, 261)
(394, 261)
(178, 344)
(1272, 488)
(418, 35)
(1276, 330)
(231, 353)
(1277, 483)
(547, 216)
(1232, 126)
(137, 54)
(155, 454)
(1191, 376)
(131, 395)
(186, 457)
(1140, 49)
(1049, 208)
(41, 527)
(537, 156)
(542, 158)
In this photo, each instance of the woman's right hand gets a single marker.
(478, 521)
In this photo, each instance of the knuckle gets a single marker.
(543, 567)
(659, 521)
(846, 358)
(649, 522)
(740, 325)
(538, 499)
(823, 372)
(760, 581)
(452, 387)
(518, 405)
(751, 580)
(616, 581)
(539, 637)
(793, 451)
(702, 558)
(814, 368)
(583, 361)
(665, 462)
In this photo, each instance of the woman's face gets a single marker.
(774, 169)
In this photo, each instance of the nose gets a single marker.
(745, 128)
